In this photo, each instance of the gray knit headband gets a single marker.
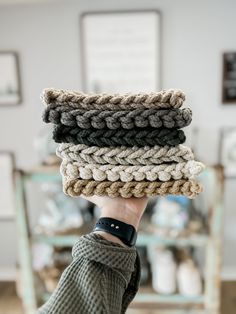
(105, 137)
(126, 119)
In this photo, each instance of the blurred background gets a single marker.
(187, 247)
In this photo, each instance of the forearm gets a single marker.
(104, 275)
(101, 273)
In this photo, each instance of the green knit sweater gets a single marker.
(103, 278)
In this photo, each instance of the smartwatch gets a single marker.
(125, 232)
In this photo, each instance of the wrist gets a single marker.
(109, 237)
(126, 233)
(121, 213)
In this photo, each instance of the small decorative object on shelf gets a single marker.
(189, 278)
(173, 270)
(176, 216)
(163, 271)
(62, 214)
(50, 277)
(49, 263)
(171, 214)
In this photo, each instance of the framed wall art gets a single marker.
(7, 203)
(229, 78)
(228, 151)
(10, 89)
(121, 51)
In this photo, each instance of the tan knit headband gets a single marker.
(188, 188)
(124, 155)
(163, 172)
(163, 99)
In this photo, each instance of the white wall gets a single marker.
(46, 36)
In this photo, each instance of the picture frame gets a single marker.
(227, 151)
(121, 51)
(7, 202)
(229, 78)
(10, 85)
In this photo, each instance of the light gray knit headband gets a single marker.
(124, 155)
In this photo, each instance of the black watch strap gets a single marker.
(125, 232)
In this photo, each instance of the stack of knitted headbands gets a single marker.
(122, 145)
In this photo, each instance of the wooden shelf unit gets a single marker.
(209, 301)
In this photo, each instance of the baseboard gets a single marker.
(228, 273)
(8, 274)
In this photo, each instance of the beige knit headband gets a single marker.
(124, 155)
(163, 99)
(188, 188)
(163, 172)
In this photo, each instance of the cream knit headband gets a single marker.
(163, 172)
(124, 155)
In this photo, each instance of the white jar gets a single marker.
(163, 272)
(189, 279)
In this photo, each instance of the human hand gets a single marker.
(128, 210)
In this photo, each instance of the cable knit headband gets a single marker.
(85, 119)
(163, 172)
(120, 137)
(188, 188)
(163, 99)
(124, 155)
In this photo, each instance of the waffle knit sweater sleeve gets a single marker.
(103, 278)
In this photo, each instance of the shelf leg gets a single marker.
(25, 257)
(214, 249)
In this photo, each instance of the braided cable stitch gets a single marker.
(171, 98)
(120, 137)
(122, 145)
(163, 172)
(126, 119)
(124, 155)
(188, 188)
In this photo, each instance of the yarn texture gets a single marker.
(124, 155)
(122, 145)
(126, 119)
(164, 99)
(120, 137)
(163, 172)
(188, 188)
